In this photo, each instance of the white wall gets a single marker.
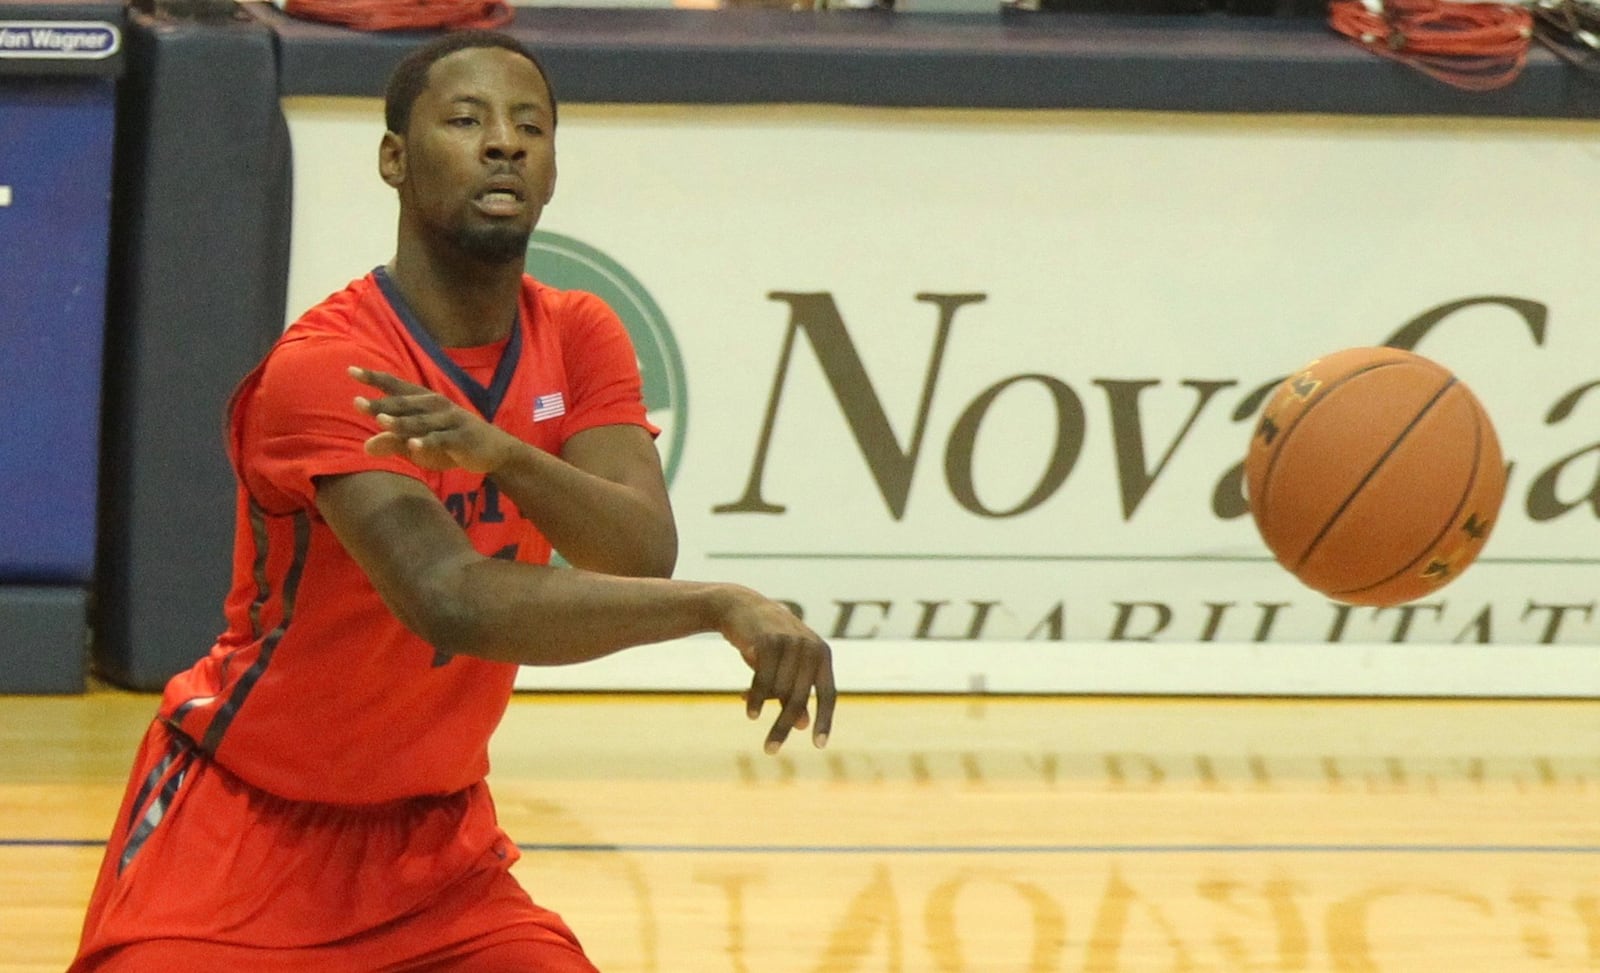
(1106, 247)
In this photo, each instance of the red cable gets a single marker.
(403, 14)
(1474, 46)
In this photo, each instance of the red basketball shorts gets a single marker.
(204, 872)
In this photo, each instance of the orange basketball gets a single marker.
(1374, 476)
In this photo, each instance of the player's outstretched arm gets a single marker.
(462, 602)
(603, 503)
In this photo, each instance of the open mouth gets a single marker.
(500, 201)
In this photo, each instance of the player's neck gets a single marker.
(462, 303)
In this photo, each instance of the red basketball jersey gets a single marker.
(316, 691)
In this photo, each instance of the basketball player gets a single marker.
(311, 796)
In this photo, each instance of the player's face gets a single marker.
(477, 163)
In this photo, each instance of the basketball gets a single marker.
(1374, 475)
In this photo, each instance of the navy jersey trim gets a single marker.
(291, 586)
(258, 570)
(147, 814)
(486, 400)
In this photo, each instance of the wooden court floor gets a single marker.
(963, 834)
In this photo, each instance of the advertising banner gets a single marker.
(971, 390)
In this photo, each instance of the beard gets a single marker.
(493, 244)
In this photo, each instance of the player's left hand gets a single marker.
(789, 662)
(428, 428)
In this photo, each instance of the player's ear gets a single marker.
(392, 159)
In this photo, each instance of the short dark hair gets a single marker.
(410, 76)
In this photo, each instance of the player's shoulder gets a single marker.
(572, 312)
(561, 302)
(349, 311)
(348, 327)
(356, 319)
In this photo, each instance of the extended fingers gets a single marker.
(792, 694)
(384, 382)
(386, 444)
(827, 695)
(421, 404)
(418, 425)
(402, 398)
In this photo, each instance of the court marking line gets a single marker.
(1097, 849)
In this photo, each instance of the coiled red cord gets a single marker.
(1474, 46)
(403, 14)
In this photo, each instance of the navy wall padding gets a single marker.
(198, 277)
(55, 165)
(57, 121)
(1211, 63)
(43, 630)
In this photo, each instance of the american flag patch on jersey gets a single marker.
(549, 406)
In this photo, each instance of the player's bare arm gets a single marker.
(463, 602)
(603, 503)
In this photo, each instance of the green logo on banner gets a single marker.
(569, 264)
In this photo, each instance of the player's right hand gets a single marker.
(790, 662)
(428, 428)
